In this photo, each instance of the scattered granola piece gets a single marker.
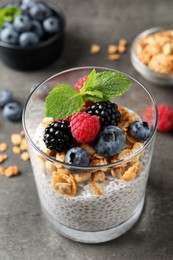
(3, 157)
(16, 139)
(25, 156)
(95, 48)
(3, 147)
(122, 42)
(22, 133)
(114, 57)
(16, 149)
(2, 170)
(96, 188)
(112, 49)
(11, 171)
(23, 145)
(121, 48)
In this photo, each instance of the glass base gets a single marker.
(96, 236)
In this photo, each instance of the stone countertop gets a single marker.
(24, 233)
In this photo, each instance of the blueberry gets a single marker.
(29, 2)
(37, 28)
(5, 97)
(139, 130)
(13, 111)
(51, 25)
(110, 141)
(7, 25)
(78, 157)
(39, 11)
(22, 23)
(25, 7)
(9, 35)
(27, 39)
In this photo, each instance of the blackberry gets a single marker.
(107, 112)
(57, 136)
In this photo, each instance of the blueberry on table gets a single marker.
(5, 97)
(51, 25)
(13, 111)
(140, 130)
(110, 141)
(22, 23)
(9, 35)
(77, 156)
(27, 39)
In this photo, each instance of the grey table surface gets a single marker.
(24, 233)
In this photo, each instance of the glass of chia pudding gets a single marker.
(91, 144)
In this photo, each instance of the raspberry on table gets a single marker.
(79, 84)
(165, 118)
(84, 127)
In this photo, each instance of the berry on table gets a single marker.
(110, 141)
(5, 97)
(57, 136)
(107, 112)
(84, 127)
(13, 111)
(139, 130)
(165, 118)
(77, 156)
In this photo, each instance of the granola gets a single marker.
(156, 51)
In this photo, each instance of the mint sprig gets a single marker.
(7, 14)
(63, 100)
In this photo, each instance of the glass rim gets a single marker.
(117, 163)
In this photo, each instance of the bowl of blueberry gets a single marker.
(31, 34)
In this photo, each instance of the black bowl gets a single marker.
(38, 56)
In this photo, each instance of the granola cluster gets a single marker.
(156, 51)
(114, 51)
(20, 147)
(66, 183)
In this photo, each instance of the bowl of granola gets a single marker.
(152, 55)
(90, 151)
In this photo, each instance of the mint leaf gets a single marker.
(7, 14)
(110, 84)
(63, 101)
(89, 82)
(94, 96)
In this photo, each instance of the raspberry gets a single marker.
(165, 114)
(79, 84)
(84, 127)
(148, 115)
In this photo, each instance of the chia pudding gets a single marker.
(91, 161)
(86, 211)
